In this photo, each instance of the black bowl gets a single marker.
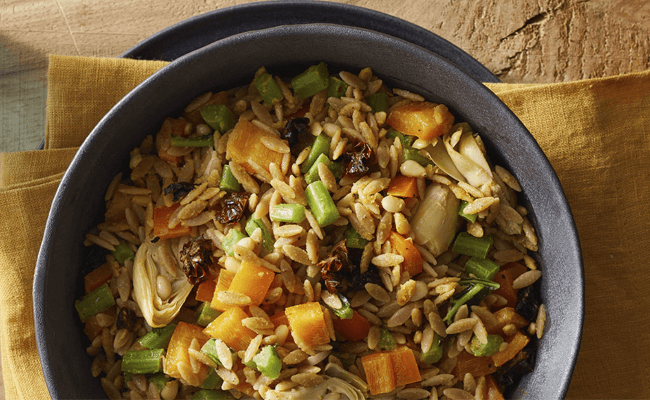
(78, 204)
(201, 30)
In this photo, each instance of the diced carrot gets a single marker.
(177, 351)
(195, 115)
(516, 343)
(161, 216)
(412, 257)
(380, 374)
(253, 281)
(477, 366)
(353, 329)
(492, 389)
(245, 143)
(422, 119)
(308, 325)
(281, 319)
(205, 290)
(506, 275)
(97, 277)
(506, 316)
(403, 186)
(229, 328)
(405, 366)
(223, 283)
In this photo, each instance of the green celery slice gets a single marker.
(312, 81)
(94, 302)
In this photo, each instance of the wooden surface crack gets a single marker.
(65, 19)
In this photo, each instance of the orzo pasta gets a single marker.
(323, 235)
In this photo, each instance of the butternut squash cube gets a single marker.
(177, 351)
(229, 328)
(245, 143)
(253, 281)
(223, 283)
(308, 326)
(405, 366)
(379, 371)
(422, 119)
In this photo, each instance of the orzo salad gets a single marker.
(323, 237)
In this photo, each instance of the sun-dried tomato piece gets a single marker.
(196, 259)
(179, 189)
(357, 162)
(232, 207)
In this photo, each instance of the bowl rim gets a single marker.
(167, 73)
(201, 30)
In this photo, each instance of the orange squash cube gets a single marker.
(477, 366)
(353, 329)
(205, 290)
(98, 277)
(229, 328)
(307, 323)
(492, 389)
(517, 342)
(412, 257)
(161, 217)
(279, 319)
(403, 186)
(379, 372)
(223, 283)
(253, 281)
(405, 366)
(422, 119)
(506, 316)
(506, 275)
(177, 351)
(245, 143)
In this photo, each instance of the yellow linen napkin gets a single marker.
(596, 133)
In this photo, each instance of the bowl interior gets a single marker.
(286, 50)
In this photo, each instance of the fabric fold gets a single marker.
(20, 238)
(81, 90)
(21, 168)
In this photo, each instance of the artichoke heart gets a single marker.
(330, 384)
(473, 172)
(154, 260)
(436, 221)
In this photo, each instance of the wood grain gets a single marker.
(524, 41)
(527, 41)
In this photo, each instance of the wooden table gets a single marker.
(523, 41)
